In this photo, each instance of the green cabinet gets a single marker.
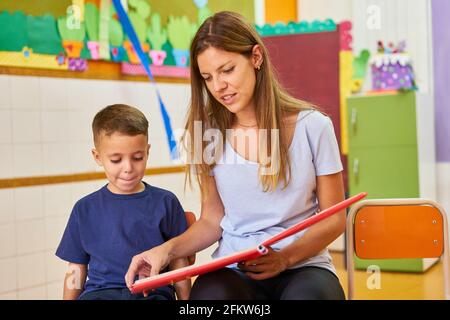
(387, 120)
(385, 134)
(384, 172)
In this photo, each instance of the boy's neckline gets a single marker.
(135, 195)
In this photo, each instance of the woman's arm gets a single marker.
(182, 288)
(200, 235)
(205, 231)
(330, 190)
(74, 281)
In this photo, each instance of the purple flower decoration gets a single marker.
(77, 64)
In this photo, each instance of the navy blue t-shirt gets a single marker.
(105, 231)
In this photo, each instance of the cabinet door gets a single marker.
(382, 120)
(384, 172)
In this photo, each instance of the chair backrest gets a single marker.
(190, 218)
(397, 228)
(390, 232)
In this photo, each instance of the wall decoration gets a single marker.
(392, 68)
(296, 28)
(76, 31)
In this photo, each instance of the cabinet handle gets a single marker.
(353, 119)
(356, 169)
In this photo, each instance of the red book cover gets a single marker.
(250, 254)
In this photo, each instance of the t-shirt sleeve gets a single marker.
(70, 248)
(325, 148)
(174, 222)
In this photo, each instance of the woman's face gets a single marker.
(230, 77)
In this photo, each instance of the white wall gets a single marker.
(338, 10)
(407, 20)
(45, 130)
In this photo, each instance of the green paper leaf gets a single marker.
(139, 25)
(143, 9)
(170, 60)
(91, 15)
(43, 35)
(180, 32)
(13, 31)
(115, 33)
(71, 31)
(156, 35)
(360, 65)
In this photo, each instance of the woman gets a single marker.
(278, 177)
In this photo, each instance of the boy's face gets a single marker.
(124, 159)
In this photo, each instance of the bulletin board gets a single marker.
(165, 8)
(40, 34)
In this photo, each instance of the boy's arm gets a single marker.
(74, 281)
(182, 288)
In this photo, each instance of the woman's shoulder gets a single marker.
(313, 119)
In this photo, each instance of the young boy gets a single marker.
(125, 217)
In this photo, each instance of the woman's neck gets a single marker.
(246, 118)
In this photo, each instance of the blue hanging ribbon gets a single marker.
(129, 31)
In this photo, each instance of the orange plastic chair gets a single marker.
(190, 217)
(397, 229)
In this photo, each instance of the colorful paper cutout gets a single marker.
(13, 31)
(162, 71)
(28, 59)
(104, 29)
(346, 38)
(92, 21)
(156, 34)
(392, 68)
(77, 64)
(116, 35)
(43, 35)
(130, 32)
(296, 28)
(180, 32)
(139, 11)
(360, 64)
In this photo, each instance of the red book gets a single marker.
(250, 254)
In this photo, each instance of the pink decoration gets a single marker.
(346, 38)
(158, 57)
(162, 71)
(94, 48)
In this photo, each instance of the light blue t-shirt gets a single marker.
(251, 215)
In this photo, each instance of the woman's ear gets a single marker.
(257, 56)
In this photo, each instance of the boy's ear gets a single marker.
(96, 156)
(148, 148)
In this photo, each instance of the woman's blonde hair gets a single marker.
(230, 32)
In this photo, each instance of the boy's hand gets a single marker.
(147, 264)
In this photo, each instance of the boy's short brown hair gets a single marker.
(120, 118)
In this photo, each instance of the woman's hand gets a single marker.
(147, 264)
(267, 266)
